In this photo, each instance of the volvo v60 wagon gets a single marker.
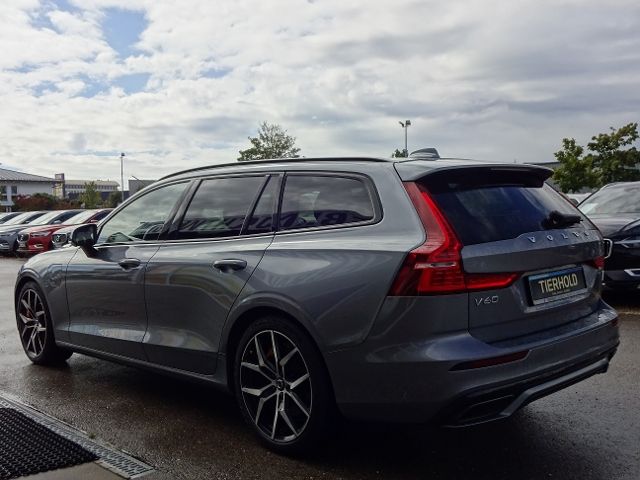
(413, 290)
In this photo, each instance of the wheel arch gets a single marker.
(242, 320)
(20, 283)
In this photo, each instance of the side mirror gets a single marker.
(85, 237)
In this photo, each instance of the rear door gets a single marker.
(194, 278)
(509, 221)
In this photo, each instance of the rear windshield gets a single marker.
(481, 211)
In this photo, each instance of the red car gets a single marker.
(38, 239)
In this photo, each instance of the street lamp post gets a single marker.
(405, 125)
(122, 175)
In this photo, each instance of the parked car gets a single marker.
(5, 217)
(615, 209)
(9, 230)
(39, 239)
(415, 290)
(54, 217)
(61, 237)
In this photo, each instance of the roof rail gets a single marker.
(276, 160)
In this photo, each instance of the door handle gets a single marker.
(128, 263)
(229, 264)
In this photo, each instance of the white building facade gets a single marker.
(13, 184)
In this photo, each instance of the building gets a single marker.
(14, 183)
(72, 189)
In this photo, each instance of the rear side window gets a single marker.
(319, 201)
(488, 210)
(219, 207)
(262, 219)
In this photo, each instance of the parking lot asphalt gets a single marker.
(588, 431)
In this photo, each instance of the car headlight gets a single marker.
(40, 234)
(60, 238)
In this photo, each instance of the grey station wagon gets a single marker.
(405, 290)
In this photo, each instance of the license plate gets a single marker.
(550, 286)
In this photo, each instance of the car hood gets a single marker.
(43, 228)
(611, 224)
(12, 229)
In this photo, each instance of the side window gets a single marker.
(262, 219)
(143, 218)
(318, 201)
(219, 207)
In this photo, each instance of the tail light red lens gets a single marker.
(436, 266)
(598, 262)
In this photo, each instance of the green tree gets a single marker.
(91, 197)
(611, 158)
(115, 198)
(272, 142)
(399, 153)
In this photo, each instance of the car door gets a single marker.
(196, 275)
(105, 290)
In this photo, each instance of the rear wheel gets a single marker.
(35, 327)
(281, 385)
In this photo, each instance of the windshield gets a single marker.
(79, 218)
(20, 218)
(44, 219)
(613, 200)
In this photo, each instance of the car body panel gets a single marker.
(188, 300)
(107, 309)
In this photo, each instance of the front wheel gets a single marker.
(35, 327)
(282, 386)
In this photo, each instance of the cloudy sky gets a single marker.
(181, 84)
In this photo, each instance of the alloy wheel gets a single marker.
(276, 386)
(33, 322)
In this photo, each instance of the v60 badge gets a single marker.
(486, 300)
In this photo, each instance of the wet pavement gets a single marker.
(588, 431)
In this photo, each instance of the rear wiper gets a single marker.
(557, 219)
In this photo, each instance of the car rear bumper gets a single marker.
(423, 381)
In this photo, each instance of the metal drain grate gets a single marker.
(26, 447)
(118, 462)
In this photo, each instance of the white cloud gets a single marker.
(485, 79)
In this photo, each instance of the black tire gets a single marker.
(313, 394)
(35, 327)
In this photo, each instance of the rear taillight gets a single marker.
(436, 266)
(598, 262)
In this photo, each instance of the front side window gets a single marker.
(144, 218)
(318, 201)
(219, 207)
